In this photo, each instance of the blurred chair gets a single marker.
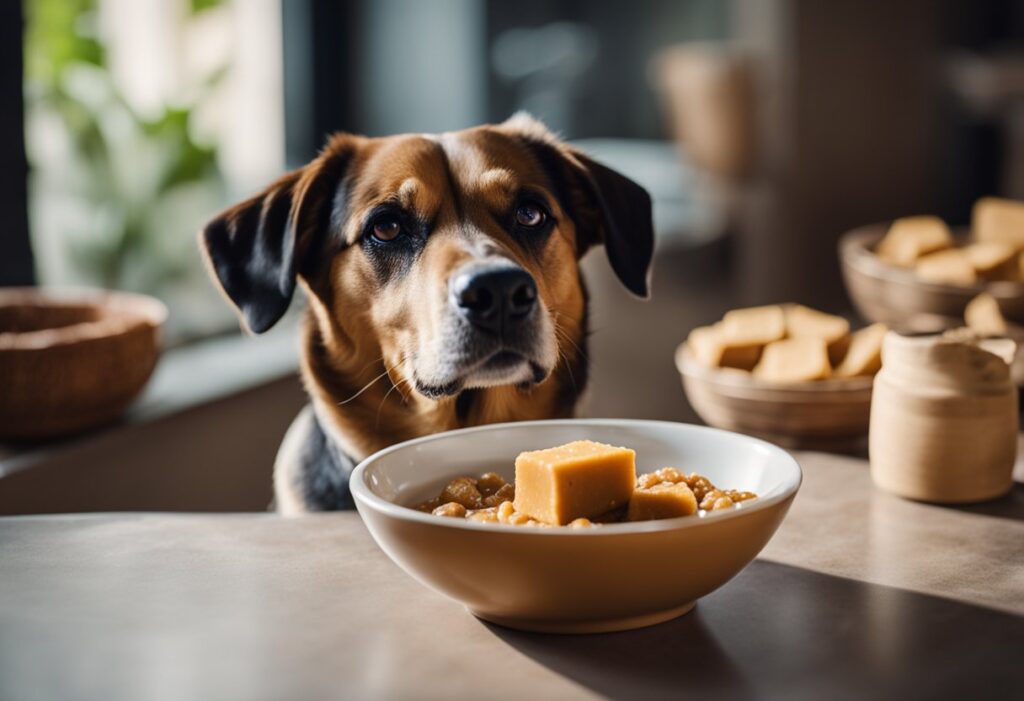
(707, 92)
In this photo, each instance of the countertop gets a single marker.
(859, 595)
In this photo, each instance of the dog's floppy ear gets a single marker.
(254, 248)
(606, 206)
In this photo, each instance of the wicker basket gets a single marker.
(70, 361)
(897, 297)
(820, 415)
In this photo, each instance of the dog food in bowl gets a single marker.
(573, 580)
(580, 484)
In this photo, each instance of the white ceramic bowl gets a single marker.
(612, 577)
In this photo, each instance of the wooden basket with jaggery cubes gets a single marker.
(789, 374)
(917, 274)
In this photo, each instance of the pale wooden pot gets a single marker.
(944, 419)
(708, 90)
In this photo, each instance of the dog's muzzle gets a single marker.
(496, 300)
(495, 331)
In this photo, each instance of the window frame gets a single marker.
(17, 264)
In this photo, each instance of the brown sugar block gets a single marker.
(794, 360)
(804, 322)
(753, 326)
(950, 267)
(992, 260)
(708, 346)
(984, 316)
(910, 238)
(665, 500)
(864, 358)
(997, 219)
(582, 479)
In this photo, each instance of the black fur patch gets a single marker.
(463, 403)
(322, 472)
(564, 183)
(258, 247)
(606, 206)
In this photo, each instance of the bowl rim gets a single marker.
(364, 496)
(689, 366)
(856, 255)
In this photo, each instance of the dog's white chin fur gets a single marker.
(514, 375)
(434, 365)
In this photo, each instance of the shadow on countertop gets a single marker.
(783, 632)
(1009, 506)
(670, 660)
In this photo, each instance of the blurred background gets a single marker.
(764, 129)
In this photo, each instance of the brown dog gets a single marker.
(443, 286)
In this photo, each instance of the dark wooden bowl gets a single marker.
(819, 415)
(70, 361)
(897, 297)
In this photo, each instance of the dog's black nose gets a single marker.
(495, 299)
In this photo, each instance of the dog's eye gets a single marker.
(530, 215)
(386, 229)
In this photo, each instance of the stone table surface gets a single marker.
(859, 595)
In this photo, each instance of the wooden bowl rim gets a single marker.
(689, 366)
(119, 314)
(855, 252)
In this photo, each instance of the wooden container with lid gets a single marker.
(944, 418)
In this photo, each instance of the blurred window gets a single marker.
(142, 119)
(145, 117)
